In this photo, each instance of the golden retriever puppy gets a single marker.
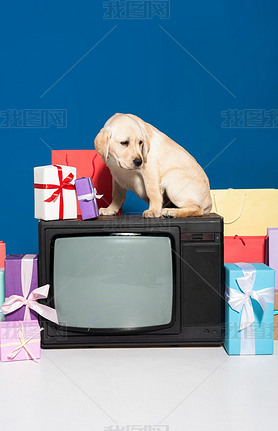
(157, 169)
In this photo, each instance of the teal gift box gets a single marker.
(249, 309)
(2, 292)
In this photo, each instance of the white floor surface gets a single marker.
(140, 389)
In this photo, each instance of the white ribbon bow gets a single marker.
(241, 300)
(90, 196)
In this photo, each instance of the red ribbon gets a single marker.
(63, 184)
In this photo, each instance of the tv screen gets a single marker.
(117, 282)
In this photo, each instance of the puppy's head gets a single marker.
(125, 141)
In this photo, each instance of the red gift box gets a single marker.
(247, 249)
(88, 163)
(2, 254)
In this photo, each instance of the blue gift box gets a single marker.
(249, 309)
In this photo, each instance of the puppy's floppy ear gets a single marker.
(145, 149)
(147, 143)
(102, 144)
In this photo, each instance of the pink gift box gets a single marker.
(20, 341)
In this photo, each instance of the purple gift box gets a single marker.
(20, 341)
(87, 197)
(21, 278)
(272, 251)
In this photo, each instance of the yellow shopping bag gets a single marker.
(246, 212)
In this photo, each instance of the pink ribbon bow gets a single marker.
(14, 302)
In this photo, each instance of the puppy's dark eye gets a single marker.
(125, 143)
(140, 142)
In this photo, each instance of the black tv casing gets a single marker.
(198, 281)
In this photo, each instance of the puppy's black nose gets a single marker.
(137, 161)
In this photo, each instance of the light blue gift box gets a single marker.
(258, 337)
(2, 292)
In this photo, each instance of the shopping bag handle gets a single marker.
(241, 239)
(93, 164)
(241, 212)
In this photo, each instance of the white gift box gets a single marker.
(55, 196)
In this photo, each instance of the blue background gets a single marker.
(137, 68)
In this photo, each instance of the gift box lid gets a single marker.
(265, 276)
(54, 167)
(19, 323)
(21, 256)
(9, 330)
(257, 266)
(271, 229)
(41, 171)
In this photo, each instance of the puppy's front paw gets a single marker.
(169, 212)
(107, 211)
(151, 214)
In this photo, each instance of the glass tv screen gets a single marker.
(116, 282)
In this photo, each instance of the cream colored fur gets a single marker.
(168, 175)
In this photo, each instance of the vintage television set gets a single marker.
(130, 281)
